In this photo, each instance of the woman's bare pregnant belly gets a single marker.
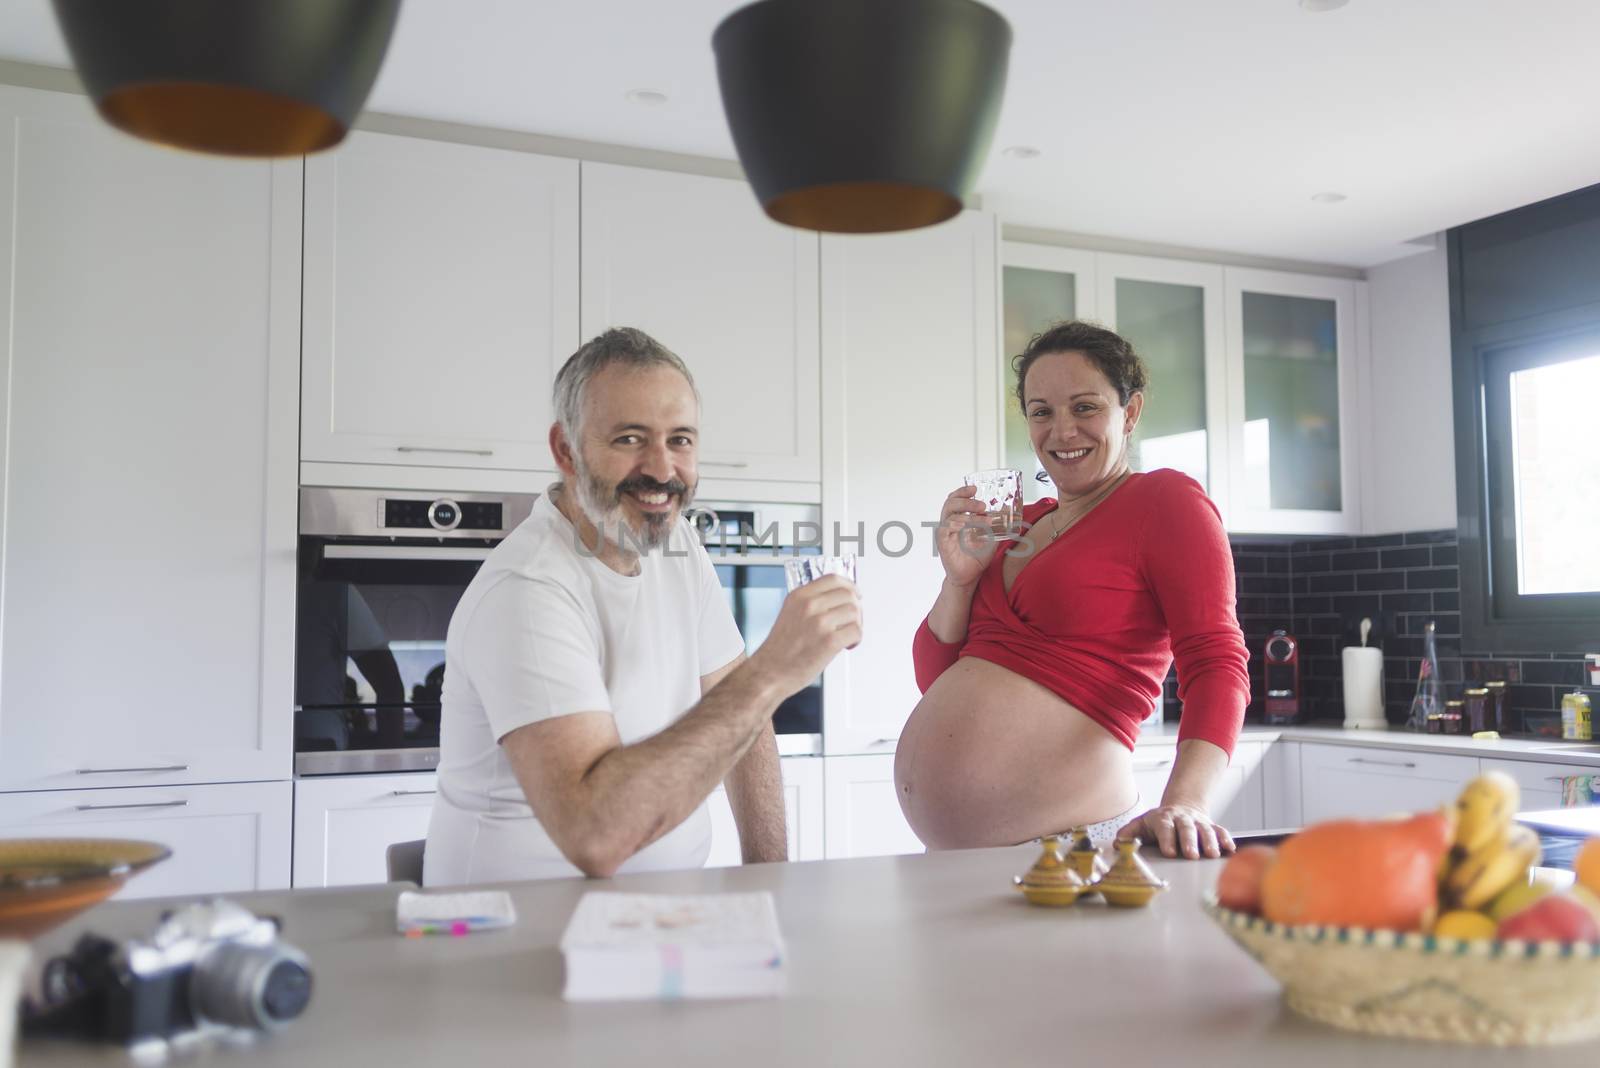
(991, 758)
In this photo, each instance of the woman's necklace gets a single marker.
(1086, 509)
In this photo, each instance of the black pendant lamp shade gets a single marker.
(233, 77)
(862, 116)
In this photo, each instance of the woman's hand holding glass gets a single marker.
(965, 537)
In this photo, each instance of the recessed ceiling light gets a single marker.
(648, 97)
(1322, 5)
(1020, 152)
(1328, 198)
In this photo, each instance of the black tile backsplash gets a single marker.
(1319, 590)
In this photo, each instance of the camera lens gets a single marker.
(263, 987)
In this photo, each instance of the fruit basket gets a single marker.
(1489, 992)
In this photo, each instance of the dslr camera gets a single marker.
(211, 966)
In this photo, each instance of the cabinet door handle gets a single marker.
(1384, 763)
(885, 741)
(125, 771)
(724, 463)
(146, 804)
(1151, 765)
(411, 793)
(452, 452)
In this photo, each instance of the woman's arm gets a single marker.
(1182, 824)
(965, 549)
(931, 652)
(1189, 565)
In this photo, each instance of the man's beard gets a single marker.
(601, 503)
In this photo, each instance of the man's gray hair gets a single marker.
(622, 345)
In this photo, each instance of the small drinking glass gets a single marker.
(804, 569)
(1000, 493)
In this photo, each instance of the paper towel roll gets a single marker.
(1363, 687)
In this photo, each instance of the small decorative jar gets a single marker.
(1479, 713)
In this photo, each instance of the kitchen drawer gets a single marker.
(225, 838)
(1344, 781)
(345, 824)
(1540, 782)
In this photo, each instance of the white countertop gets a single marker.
(929, 960)
(1540, 750)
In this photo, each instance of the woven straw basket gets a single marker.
(1499, 993)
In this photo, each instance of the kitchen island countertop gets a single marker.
(927, 960)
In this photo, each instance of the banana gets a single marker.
(1485, 874)
(1484, 811)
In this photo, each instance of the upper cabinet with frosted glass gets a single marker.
(1292, 400)
(1252, 376)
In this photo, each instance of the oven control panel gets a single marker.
(442, 514)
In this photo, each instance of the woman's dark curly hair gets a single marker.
(1107, 350)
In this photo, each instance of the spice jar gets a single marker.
(1435, 723)
(1497, 706)
(1477, 711)
(1454, 721)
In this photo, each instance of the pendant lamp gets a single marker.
(862, 116)
(231, 77)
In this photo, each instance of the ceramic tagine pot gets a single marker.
(1084, 858)
(1130, 883)
(1051, 881)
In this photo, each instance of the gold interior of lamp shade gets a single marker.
(863, 207)
(227, 119)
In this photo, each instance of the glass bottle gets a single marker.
(1428, 698)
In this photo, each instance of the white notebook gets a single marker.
(622, 947)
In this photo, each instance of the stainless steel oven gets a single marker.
(748, 544)
(380, 574)
(379, 577)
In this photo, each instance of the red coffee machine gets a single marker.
(1282, 678)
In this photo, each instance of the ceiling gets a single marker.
(1208, 124)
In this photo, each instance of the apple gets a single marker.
(1553, 918)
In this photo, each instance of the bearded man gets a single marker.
(596, 689)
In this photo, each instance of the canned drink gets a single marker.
(1576, 717)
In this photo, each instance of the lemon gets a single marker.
(1464, 924)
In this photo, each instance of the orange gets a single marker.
(1360, 873)
(1239, 885)
(1587, 865)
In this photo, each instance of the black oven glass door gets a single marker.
(369, 636)
(755, 588)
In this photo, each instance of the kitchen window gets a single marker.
(1538, 579)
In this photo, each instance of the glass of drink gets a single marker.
(1000, 493)
(804, 569)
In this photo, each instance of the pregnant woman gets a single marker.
(1038, 663)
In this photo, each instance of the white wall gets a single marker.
(1409, 457)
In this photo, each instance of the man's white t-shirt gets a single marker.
(544, 630)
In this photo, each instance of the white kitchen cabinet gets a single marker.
(345, 824)
(441, 297)
(1171, 312)
(149, 329)
(1042, 285)
(1540, 783)
(863, 809)
(1294, 354)
(693, 262)
(910, 327)
(803, 815)
(1280, 785)
(225, 838)
(1345, 781)
(1236, 800)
